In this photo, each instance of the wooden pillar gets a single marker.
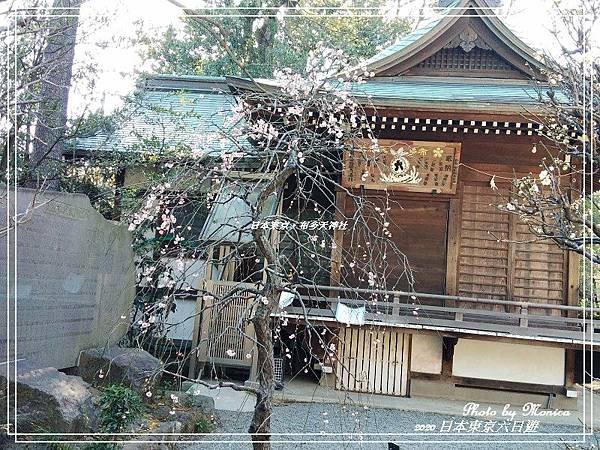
(573, 277)
(573, 281)
(118, 196)
(570, 368)
(200, 333)
(338, 238)
(452, 251)
(448, 344)
(336, 267)
(336, 253)
(510, 268)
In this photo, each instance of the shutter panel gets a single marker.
(500, 259)
(539, 273)
(484, 252)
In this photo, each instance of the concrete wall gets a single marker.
(509, 362)
(182, 320)
(75, 278)
(426, 354)
(188, 273)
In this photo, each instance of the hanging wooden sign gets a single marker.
(413, 166)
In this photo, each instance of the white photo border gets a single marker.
(11, 274)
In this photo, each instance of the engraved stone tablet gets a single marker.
(74, 274)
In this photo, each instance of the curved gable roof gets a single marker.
(416, 46)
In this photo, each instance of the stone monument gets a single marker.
(67, 281)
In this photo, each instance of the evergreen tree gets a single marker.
(266, 35)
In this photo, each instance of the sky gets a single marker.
(116, 21)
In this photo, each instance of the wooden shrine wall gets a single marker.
(459, 244)
(500, 259)
(419, 229)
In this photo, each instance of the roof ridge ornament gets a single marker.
(489, 3)
(467, 39)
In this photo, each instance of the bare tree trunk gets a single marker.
(261, 421)
(57, 68)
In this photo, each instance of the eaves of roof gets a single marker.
(423, 36)
(447, 94)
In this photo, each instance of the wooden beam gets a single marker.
(508, 385)
(426, 376)
(322, 318)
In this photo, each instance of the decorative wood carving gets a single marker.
(467, 39)
(412, 166)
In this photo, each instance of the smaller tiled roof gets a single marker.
(170, 111)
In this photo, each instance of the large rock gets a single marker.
(75, 278)
(172, 425)
(132, 367)
(193, 398)
(188, 419)
(49, 401)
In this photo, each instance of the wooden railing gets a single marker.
(400, 308)
(223, 332)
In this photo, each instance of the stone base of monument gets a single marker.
(48, 401)
(132, 367)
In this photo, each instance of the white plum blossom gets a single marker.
(295, 110)
(372, 277)
(545, 178)
(263, 130)
(257, 24)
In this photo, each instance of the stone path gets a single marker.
(344, 420)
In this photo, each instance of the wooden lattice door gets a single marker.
(373, 360)
(223, 332)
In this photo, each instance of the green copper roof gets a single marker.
(167, 112)
(411, 37)
(192, 112)
(459, 90)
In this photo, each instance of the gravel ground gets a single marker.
(344, 420)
